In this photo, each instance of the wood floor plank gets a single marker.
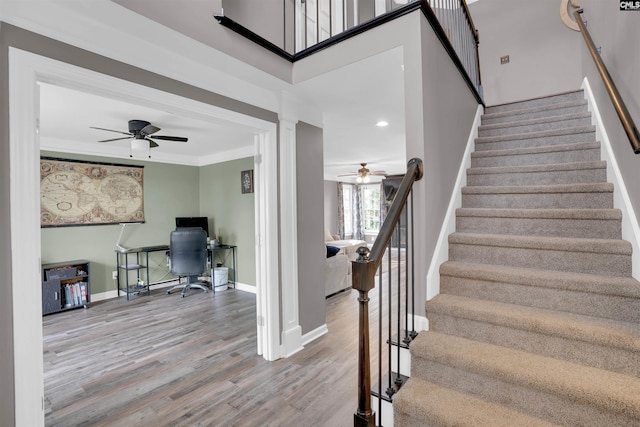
(169, 361)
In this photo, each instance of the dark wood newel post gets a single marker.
(364, 271)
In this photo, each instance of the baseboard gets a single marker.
(441, 252)
(291, 341)
(246, 288)
(621, 200)
(315, 334)
(101, 296)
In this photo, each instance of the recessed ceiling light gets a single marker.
(382, 124)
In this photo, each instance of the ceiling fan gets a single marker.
(363, 174)
(141, 135)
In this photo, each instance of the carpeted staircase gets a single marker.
(538, 319)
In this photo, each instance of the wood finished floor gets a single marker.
(169, 361)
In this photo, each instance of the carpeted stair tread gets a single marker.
(544, 154)
(542, 101)
(600, 187)
(610, 392)
(572, 131)
(591, 214)
(607, 257)
(550, 119)
(582, 223)
(538, 168)
(537, 150)
(608, 297)
(595, 330)
(597, 246)
(421, 403)
(605, 285)
(539, 111)
(535, 125)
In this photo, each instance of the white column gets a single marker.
(291, 329)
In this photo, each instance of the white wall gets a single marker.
(544, 55)
(618, 34)
(331, 206)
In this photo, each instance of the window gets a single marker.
(371, 207)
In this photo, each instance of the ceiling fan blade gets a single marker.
(169, 138)
(110, 130)
(115, 139)
(149, 129)
(350, 174)
(152, 144)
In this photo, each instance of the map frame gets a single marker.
(80, 192)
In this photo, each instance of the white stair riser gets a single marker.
(405, 361)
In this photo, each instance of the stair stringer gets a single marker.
(441, 251)
(621, 200)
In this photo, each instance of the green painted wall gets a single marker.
(232, 213)
(170, 191)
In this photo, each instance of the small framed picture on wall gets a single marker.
(246, 181)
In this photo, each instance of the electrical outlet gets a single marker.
(114, 274)
(504, 59)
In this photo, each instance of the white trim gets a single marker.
(291, 329)
(24, 152)
(246, 288)
(26, 70)
(315, 334)
(441, 252)
(267, 240)
(421, 323)
(621, 200)
(102, 296)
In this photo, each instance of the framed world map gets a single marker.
(89, 193)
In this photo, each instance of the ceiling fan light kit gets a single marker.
(363, 175)
(140, 134)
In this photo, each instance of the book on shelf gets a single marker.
(83, 292)
(67, 296)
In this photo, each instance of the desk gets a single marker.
(126, 267)
(216, 248)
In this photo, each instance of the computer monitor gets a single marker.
(193, 221)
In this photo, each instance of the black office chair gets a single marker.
(188, 257)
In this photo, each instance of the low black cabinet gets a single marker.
(65, 286)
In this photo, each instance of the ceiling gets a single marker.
(353, 99)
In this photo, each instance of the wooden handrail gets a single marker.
(363, 280)
(414, 173)
(623, 114)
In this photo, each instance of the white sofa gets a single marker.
(336, 274)
(347, 246)
(338, 267)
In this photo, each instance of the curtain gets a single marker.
(340, 210)
(358, 228)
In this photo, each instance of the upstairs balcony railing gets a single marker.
(299, 29)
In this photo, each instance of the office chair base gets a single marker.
(186, 286)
